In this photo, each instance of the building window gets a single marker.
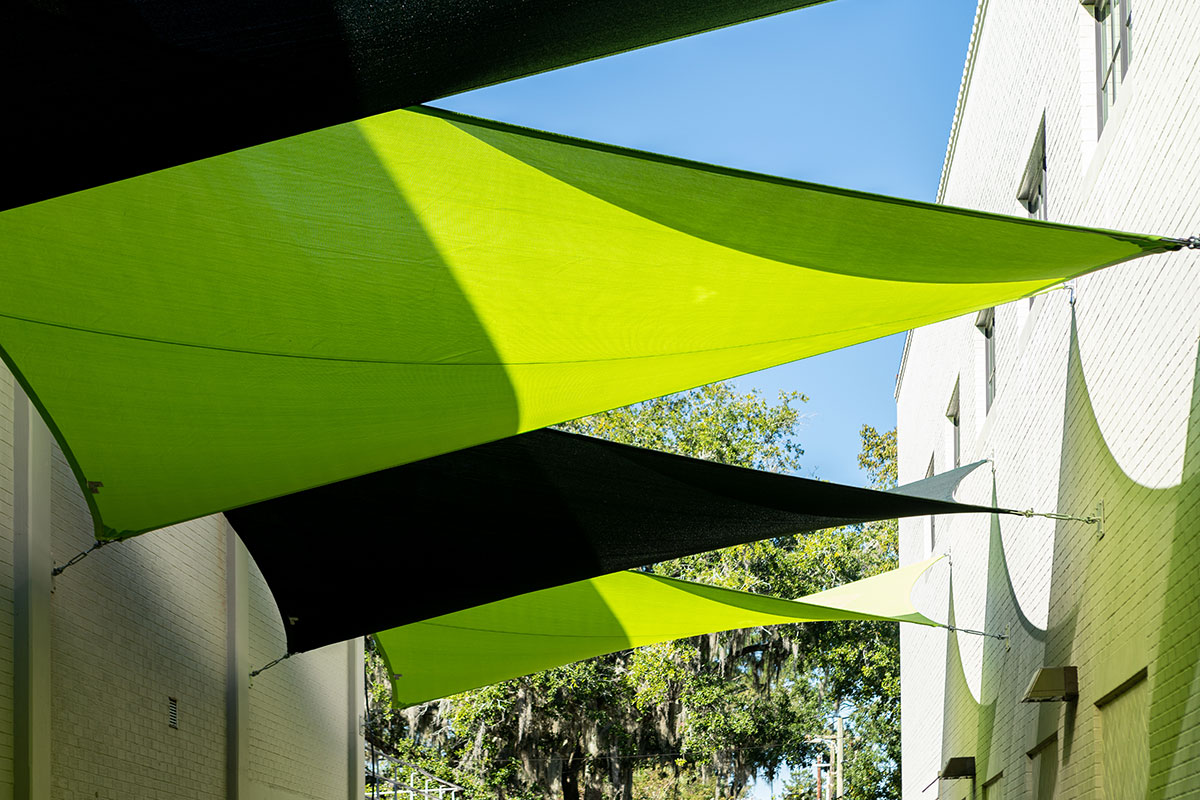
(1124, 739)
(932, 524)
(955, 418)
(1042, 775)
(992, 790)
(1032, 192)
(985, 321)
(1114, 40)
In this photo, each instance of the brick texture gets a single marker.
(1096, 401)
(6, 584)
(142, 621)
(298, 709)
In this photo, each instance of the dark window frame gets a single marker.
(932, 519)
(1032, 191)
(985, 321)
(953, 414)
(1114, 42)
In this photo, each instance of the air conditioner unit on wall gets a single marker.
(959, 767)
(1053, 683)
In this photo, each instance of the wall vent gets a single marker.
(173, 712)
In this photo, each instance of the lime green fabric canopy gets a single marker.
(378, 292)
(536, 631)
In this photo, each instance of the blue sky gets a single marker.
(854, 93)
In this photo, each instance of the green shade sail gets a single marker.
(526, 513)
(110, 89)
(382, 291)
(536, 631)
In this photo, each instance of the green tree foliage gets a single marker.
(713, 422)
(878, 458)
(698, 717)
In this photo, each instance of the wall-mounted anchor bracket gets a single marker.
(1095, 519)
(75, 559)
(1000, 636)
(1190, 243)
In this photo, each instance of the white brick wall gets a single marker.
(142, 621)
(6, 584)
(1107, 606)
(134, 624)
(298, 710)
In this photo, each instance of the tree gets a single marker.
(713, 422)
(702, 715)
(878, 458)
(872, 709)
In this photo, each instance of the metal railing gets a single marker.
(390, 778)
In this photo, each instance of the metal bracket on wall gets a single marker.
(1096, 519)
(75, 559)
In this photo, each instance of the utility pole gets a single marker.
(835, 787)
(841, 729)
(829, 786)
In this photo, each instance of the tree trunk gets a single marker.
(593, 788)
(570, 774)
(623, 780)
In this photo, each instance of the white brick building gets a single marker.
(127, 676)
(1092, 402)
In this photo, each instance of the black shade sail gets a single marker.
(101, 90)
(518, 515)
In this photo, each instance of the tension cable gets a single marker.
(54, 573)
(1029, 512)
(973, 632)
(261, 670)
